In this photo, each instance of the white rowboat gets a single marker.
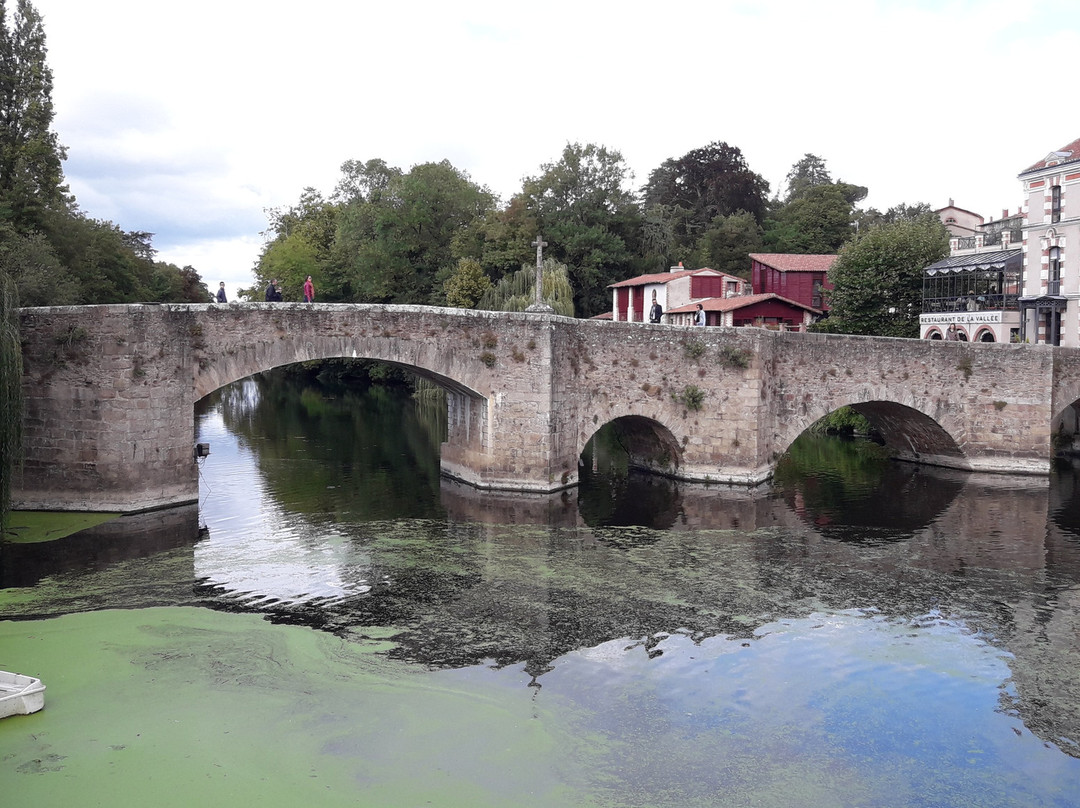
(20, 695)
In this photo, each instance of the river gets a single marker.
(333, 624)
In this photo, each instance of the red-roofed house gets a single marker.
(631, 299)
(767, 311)
(801, 278)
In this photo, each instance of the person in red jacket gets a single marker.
(309, 290)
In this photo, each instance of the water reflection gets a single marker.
(327, 510)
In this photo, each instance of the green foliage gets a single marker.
(843, 421)
(807, 173)
(53, 253)
(898, 213)
(701, 185)
(818, 222)
(693, 349)
(465, 288)
(691, 397)
(11, 405)
(735, 357)
(727, 242)
(518, 291)
(878, 278)
(501, 240)
(31, 177)
(488, 358)
(385, 236)
(817, 215)
(591, 222)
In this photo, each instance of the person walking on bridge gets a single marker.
(309, 290)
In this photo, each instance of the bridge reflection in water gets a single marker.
(531, 578)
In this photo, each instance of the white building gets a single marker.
(1014, 279)
(1050, 305)
(631, 299)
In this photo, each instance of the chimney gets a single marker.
(678, 268)
(1005, 213)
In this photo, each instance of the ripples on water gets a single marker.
(860, 628)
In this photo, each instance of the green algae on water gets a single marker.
(25, 527)
(187, 706)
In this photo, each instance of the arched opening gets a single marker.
(1065, 432)
(985, 335)
(378, 433)
(834, 473)
(934, 334)
(906, 433)
(625, 474)
(632, 443)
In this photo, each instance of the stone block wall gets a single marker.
(110, 392)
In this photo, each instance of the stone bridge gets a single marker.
(110, 393)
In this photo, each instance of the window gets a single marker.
(1054, 285)
(1055, 203)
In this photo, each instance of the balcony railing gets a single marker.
(933, 305)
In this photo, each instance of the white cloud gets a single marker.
(188, 121)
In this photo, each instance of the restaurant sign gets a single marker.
(961, 318)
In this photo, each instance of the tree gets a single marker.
(817, 215)
(869, 218)
(502, 240)
(362, 182)
(878, 278)
(396, 246)
(818, 222)
(51, 251)
(807, 173)
(303, 243)
(467, 285)
(701, 185)
(589, 219)
(31, 157)
(517, 291)
(728, 242)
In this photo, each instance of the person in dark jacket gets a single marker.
(221, 293)
(655, 311)
(273, 294)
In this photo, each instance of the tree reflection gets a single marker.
(850, 490)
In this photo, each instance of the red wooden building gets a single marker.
(801, 278)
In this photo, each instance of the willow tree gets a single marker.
(10, 392)
(516, 292)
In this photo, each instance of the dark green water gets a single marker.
(335, 625)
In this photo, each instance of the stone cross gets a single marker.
(538, 304)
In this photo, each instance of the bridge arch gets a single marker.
(649, 445)
(906, 431)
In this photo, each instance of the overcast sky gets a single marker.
(188, 120)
